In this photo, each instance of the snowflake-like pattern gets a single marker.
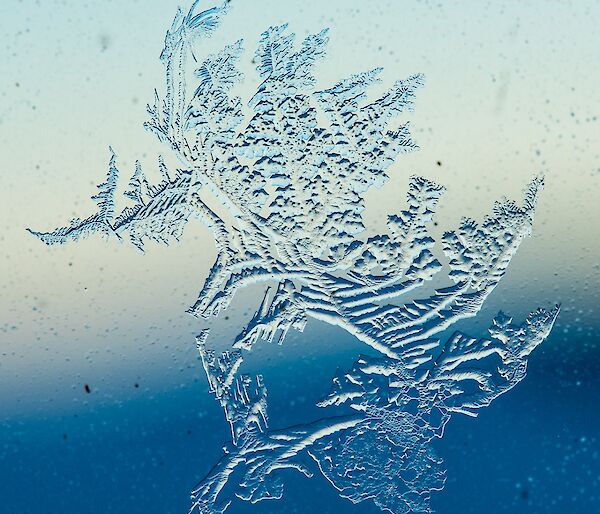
(291, 170)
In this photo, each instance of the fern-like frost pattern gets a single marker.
(290, 167)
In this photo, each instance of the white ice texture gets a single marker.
(291, 171)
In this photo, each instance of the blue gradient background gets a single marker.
(511, 90)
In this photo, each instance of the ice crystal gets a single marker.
(294, 187)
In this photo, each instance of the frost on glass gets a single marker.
(289, 168)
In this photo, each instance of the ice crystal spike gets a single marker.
(98, 222)
(291, 166)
